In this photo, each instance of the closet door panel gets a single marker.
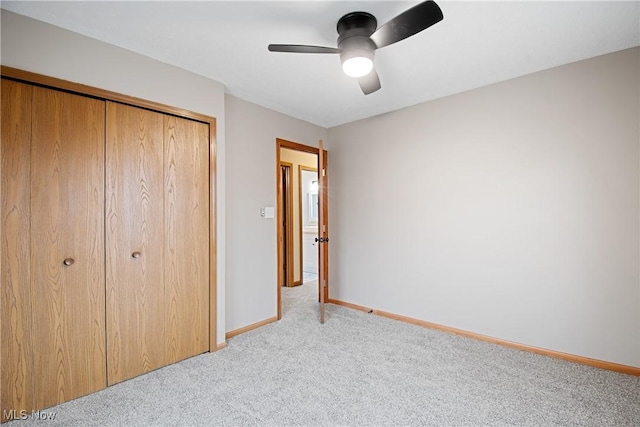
(67, 245)
(135, 248)
(186, 227)
(16, 349)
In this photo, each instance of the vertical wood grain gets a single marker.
(67, 214)
(325, 214)
(287, 222)
(53, 317)
(279, 232)
(186, 230)
(322, 200)
(16, 379)
(136, 324)
(213, 236)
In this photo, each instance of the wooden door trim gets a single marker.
(107, 95)
(289, 261)
(325, 214)
(283, 143)
(81, 89)
(213, 239)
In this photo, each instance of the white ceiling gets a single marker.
(478, 43)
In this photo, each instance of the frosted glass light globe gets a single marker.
(357, 66)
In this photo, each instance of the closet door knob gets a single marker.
(68, 261)
(136, 254)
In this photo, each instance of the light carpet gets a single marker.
(359, 369)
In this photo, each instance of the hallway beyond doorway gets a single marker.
(309, 277)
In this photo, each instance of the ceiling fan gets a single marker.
(359, 37)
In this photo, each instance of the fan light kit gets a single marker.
(357, 66)
(359, 37)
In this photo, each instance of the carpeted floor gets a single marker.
(308, 277)
(359, 369)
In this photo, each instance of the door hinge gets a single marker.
(324, 172)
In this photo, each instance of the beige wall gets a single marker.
(297, 159)
(34, 46)
(510, 210)
(251, 184)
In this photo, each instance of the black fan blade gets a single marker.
(408, 23)
(369, 83)
(301, 48)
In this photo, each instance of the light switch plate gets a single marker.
(269, 212)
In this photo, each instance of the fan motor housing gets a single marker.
(357, 42)
(354, 30)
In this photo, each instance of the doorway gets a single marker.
(309, 217)
(299, 201)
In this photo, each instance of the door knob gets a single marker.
(68, 261)
(136, 254)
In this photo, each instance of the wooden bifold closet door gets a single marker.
(53, 303)
(157, 217)
(105, 244)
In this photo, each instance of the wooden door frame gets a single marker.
(107, 95)
(290, 280)
(283, 143)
